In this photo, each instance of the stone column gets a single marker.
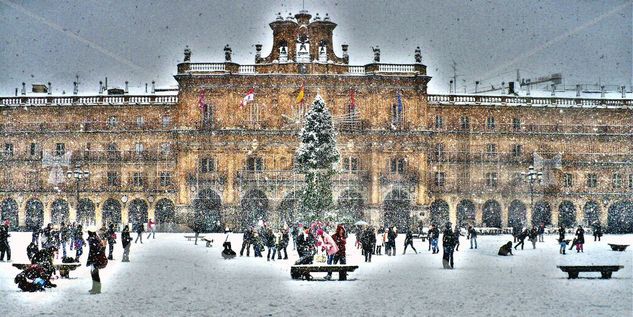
(452, 210)
(229, 189)
(151, 210)
(479, 212)
(422, 197)
(580, 215)
(99, 213)
(555, 212)
(48, 211)
(505, 213)
(374, 198)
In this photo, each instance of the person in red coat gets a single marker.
(339, 237)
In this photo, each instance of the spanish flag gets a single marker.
(300, 95)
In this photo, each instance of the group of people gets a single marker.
(46, 243)
(275, 240)
(578, 241)
(316, 239)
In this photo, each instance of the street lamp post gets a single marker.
(532, 176)
(78, 174)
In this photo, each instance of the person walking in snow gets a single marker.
(63, 231)
(139, 231)
(111, 237)
(285, 240)
(126, 243)
(533, 235)
(457, 233)
(368, 242)
(541, 232)
(31, 250)
(97, 259)
(151, 228)
(561, 239)
(269, 237)
(35, 236)
(257, 244)
(597, 231)
(434, 235)
(4, 242)
(521, 237)
(79, 242)
(277, 244)
(580, 239)
(408, 241)
(392, 235)
(448, 243)
(247, 238)
(340, 239)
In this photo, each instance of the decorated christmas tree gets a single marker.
(316, 157)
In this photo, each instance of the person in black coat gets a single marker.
(31, 250)
(561, 239)
(35, 236)
(521, 237)
(126, 242)
(506, 249)
(270, 243)
(580, 239)
(368, 242)
(434, 235)
(597, 231)
(4, 242)
(285, 240)
(139, 231)
(97, 259)
(392, 234)
(111, 237)
(33, 279)
(247, 238)
(408, 241)
(533, 236)
(448, 243)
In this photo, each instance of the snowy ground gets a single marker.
(170, 276)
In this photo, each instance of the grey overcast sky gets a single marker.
(588, 42)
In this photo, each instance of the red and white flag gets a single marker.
(250, 96)
(352, 99)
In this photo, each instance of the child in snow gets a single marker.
(506, 249)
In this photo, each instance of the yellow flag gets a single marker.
(300, 95)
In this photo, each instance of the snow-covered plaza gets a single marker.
(170, 276)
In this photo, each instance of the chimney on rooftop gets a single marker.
(623, 89)
(528, 82)
(23, 89)
(476, 86)
(553, 90)
(126, 86)
(258, 53)
(100, 87)
(16, 92)
(450, 87)
(153, 87)
(145, 87)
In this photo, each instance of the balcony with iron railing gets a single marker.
(87, 126)
(122, 156)
(508, 100)
(510, 158)
(96, 100)
(291, 67)
(406, 178)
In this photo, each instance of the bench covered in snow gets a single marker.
(297, 271)
(618, 247)
(193, 237)
(605, 270)
(63, 268)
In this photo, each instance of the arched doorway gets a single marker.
(350, 207)
(86, 212)
(465, 212)
(439, 213)
(137, 211)
(254, 208)
(34, 214)
(491, 214)
(290, 211)
(592, 213)
(59, 211)
(206, 216)
(517, 215)
(9, 210)
(566, 214)
(111, 213)
(397, 208)
(165, 212)
(542, 213)
(620, 217)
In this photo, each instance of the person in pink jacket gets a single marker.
(151, 226)
(329, 246)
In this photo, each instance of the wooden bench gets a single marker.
(605, 270)
(618, 247)
(193, 237)
(297, 271)
(209, 242)
(63, 268)
(421, 236)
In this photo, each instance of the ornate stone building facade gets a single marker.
(406, 156)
